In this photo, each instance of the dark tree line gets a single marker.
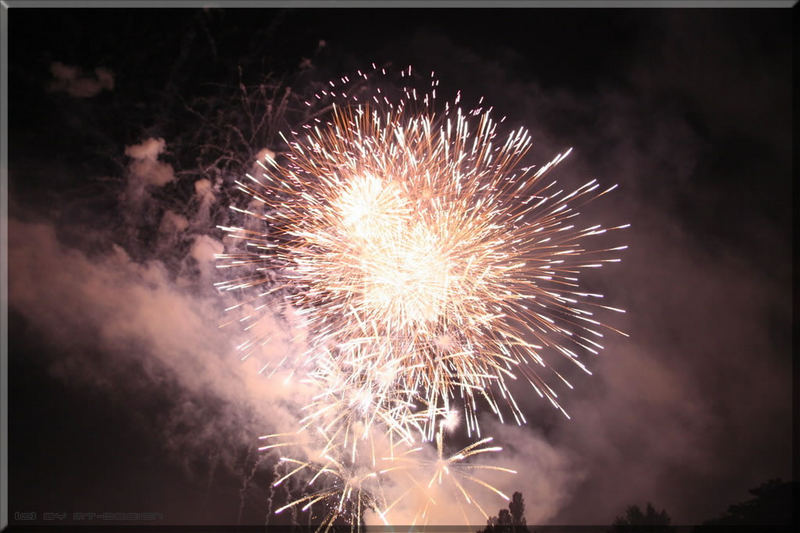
(509, 520)
(770, 506)
(647, 521)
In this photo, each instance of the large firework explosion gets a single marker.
(431, 269)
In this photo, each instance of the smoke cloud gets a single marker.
(70, 80)
(155, 323)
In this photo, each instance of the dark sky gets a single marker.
(123, 395)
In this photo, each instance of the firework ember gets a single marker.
(432, 268)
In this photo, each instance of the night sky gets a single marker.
(125, 397)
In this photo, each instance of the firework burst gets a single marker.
(346, 487)
(431, 267)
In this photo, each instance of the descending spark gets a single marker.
(347, 488)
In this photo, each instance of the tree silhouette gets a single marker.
(772, 505)
(517, 508)
(649, 521)
(511, 520)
